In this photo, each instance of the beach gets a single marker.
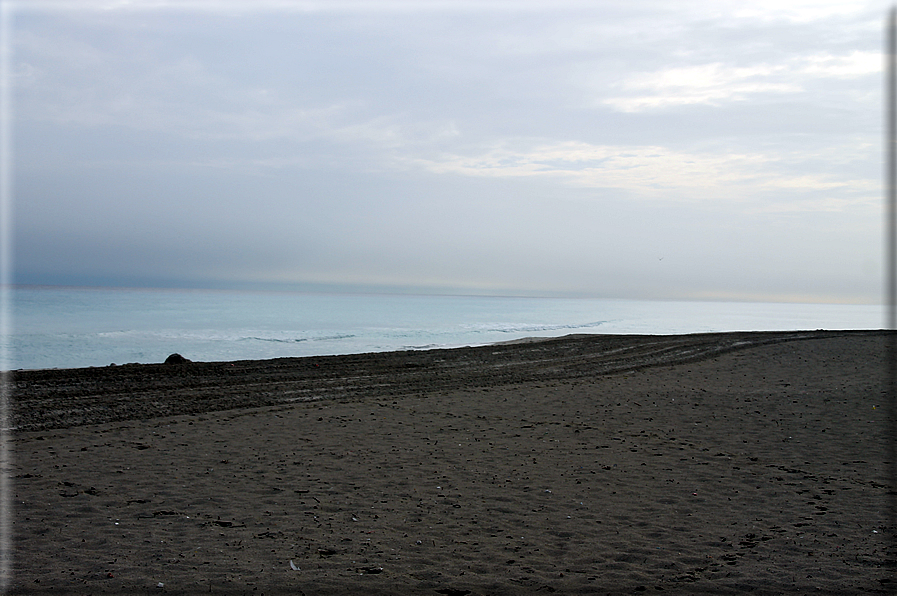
(594, 464)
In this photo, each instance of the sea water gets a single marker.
(55, 327)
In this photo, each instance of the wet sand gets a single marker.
(718, 463)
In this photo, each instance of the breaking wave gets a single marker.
(296, 340)
(531, 327)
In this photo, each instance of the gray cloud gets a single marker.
(621, 149)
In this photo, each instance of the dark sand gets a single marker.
(721, 463)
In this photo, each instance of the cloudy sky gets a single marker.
(619, 148)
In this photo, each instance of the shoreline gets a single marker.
(700, 464)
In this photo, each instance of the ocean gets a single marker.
(56, 327)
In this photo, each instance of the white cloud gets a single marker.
(855, 64)
(650, 172)
(798, 11)
(704, 84)
(715, 83)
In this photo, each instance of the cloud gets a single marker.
(798, 11)
(855, 64)
(647, 172)
(821, 205)
(458, 144)
(716, 83)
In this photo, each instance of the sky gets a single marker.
(621, 148)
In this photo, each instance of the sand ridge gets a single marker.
(69, 397)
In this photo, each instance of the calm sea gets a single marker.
(77, 327)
